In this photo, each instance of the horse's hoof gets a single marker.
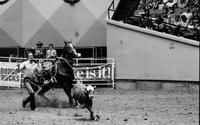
(35, 109)
(97, 117)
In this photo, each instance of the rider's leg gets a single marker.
(31, 97)
(25, 101)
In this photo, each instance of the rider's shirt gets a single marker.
(30, 69)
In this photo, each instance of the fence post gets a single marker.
(113, 76)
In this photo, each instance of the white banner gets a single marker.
(7, 75)
(94, 73)
(104, 72)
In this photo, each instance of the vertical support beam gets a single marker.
(113, 74)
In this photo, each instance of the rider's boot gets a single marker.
(25, 101)
(32, 101)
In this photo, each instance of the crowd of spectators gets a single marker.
(177, 17)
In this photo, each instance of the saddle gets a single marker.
(48, 65)
(49, 69)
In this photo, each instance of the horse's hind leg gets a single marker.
(45, 89)
(68, 92)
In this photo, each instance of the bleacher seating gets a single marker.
(160, 15)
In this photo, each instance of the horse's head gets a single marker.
(70, 49)
(65, 62)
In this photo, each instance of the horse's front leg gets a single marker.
(66, 84)
(67, 90)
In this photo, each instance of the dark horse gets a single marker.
(64, 76)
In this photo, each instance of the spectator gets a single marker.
(177, 20)
(195, 20)
(184, 21)
(165, 12)
(149, 4)
(177, 27)
(142, 5)
(51, 52)
(171, 3)
(157, 3)
(187, 14)
(39, 51)
(165, 1)
(159, 24)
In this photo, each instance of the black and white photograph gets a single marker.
(99, 62)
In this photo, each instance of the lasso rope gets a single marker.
(80, 68)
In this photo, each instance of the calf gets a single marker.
(84, 95)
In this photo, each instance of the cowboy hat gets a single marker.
(39, 43)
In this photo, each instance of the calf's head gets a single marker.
(90, 91)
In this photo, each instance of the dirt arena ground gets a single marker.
(115, 107)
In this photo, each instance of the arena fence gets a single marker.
(93, 71)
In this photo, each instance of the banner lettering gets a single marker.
(96, 73)
(7, 75)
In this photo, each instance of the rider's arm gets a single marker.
(21, 66)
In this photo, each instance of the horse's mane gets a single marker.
(63, 66)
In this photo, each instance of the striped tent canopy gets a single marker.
(25, 22)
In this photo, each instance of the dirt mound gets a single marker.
(54, 102)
